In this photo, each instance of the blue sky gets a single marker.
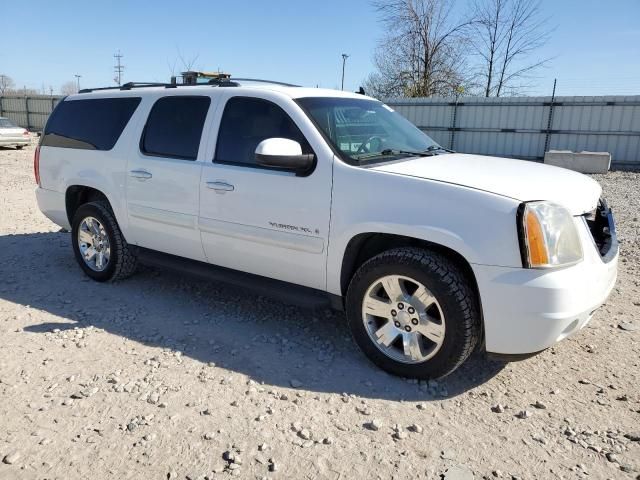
(595, 46)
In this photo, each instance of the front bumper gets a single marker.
(528, 310)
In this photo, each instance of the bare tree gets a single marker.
(506, 34)
(69, 88)
(26, 91)
(6, 84)
(422, 54)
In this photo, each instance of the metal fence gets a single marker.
(526, 127)
(520, 127)
(29, 111)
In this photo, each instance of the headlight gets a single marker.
(548, 236)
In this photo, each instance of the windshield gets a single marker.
(367, 130)
(6, 123)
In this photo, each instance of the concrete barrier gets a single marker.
(584, 162)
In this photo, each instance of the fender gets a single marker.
(439, 236)
(477, 225)
(116, 196)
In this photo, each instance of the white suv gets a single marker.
(320, 195)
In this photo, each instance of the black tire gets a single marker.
(123, 260)
(19, 147)
(450, 288)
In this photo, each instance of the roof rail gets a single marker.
(259, 80)
(221, 82)
(214, 82)
(130, 85)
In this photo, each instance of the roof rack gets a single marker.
(191, 77)
(129, 86)
(222, 81)
(259, 80)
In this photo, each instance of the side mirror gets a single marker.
(284, 153)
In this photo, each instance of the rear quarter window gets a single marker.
(92, 124)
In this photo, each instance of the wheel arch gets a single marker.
(77, 195)
(364, 246)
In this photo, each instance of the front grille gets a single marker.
(601, 226)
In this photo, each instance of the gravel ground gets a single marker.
(166, 377)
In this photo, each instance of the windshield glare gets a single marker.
(366, 130)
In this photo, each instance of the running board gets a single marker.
(286, 292)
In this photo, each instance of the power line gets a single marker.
(118, 68)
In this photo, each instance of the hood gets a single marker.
(518, 179)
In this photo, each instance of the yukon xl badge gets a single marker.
(293, 228)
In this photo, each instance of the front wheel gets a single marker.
(413, 313)
(98, 244)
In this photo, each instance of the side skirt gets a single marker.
(286, 292)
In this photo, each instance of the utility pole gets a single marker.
(344, 61)
(78, 82)
(118, 68)
(547, 137)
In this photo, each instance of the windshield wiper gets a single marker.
(434, 148)
(393, 151)
(430, 151)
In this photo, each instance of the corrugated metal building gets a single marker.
(29, 111)
(526, 127)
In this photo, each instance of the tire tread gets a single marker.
(126, 258)
(468, 326)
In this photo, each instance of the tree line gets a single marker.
(437, 48)
(8, 87)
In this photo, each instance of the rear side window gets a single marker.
(92, 124)
(174, 127)
(248, 121)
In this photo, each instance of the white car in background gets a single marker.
(11, 135)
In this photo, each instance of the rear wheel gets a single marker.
(413, 313)
(98, 244)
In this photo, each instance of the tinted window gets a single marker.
(248, 121)
(174, 127)
(92, 124)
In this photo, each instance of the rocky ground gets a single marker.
(169, 377)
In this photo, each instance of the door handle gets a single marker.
(141, 174)
(220, 187)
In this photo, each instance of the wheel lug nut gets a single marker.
(401, 306)
(394, 313)
(397, 324)
(407, 328)
(414, 321)
(411, 310)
